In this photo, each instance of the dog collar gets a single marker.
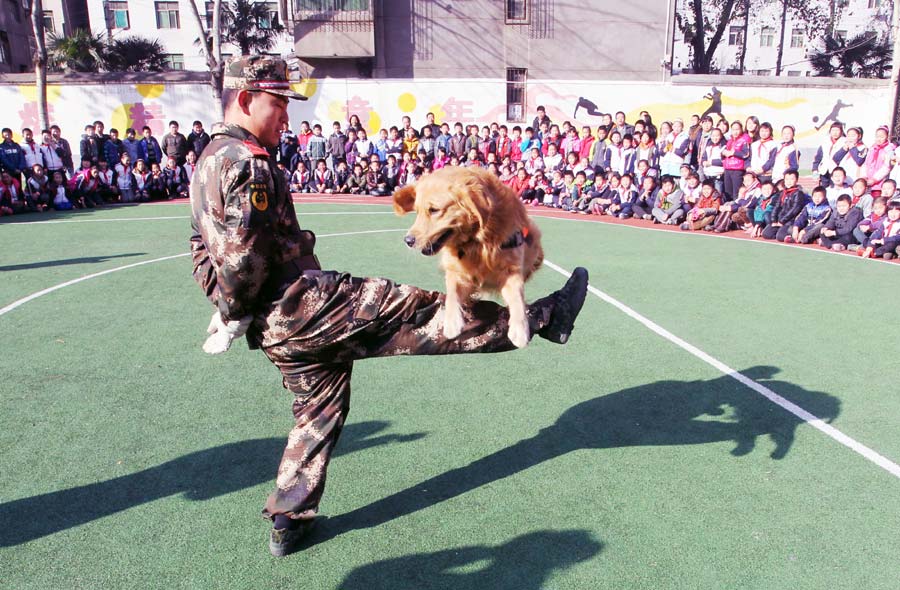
(517, 239)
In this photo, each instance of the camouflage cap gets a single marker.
(261, 73)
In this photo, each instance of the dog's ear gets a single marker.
(404, 200)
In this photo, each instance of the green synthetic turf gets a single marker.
(129, 459)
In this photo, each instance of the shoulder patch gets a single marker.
(259, 195)
(256, 150)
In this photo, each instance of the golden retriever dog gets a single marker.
(486, 241)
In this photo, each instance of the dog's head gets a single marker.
(452, 207)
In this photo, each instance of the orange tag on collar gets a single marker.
(525, 232)
(256, 150)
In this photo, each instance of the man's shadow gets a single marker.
(201, 475)
(522, 563)
(656, 414)
(67, 261)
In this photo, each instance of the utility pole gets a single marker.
(895, 75)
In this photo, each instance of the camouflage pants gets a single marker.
(344, 319)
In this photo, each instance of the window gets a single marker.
(840, 35)
(167, 15)
(767, 37)
(209, 14)
(762, 72)
(330, 5)
(117, 15)
(49, 27)
(793, 73)
(175, 61)
(272, 19)
(517, 11)
(5, 51)
(874, 4)
(797, 38)
(515, 94)
(736, 36)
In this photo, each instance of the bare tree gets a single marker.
(702, 17)
(36, 8)
(212, 46)
(805, 14)
(744, 35)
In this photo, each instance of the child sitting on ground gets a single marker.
(886, 239)
(59, 192)
(623, 203)
(519, 183)
(323, 179)
(838, 231)
(643, 206)
(808, 225)
(603, 193)
(38, 188)
(871, 222)
(765, 205)
(356, 184)
(538, 187)
(667, 204)
(300, 179)
(704, 212)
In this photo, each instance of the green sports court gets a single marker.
(725, 416)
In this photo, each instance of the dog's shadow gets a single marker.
(663, 413)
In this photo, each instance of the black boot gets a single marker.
(563, 307)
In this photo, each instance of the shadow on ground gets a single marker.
(522, 563)
(656, 414)
(68, 261)
(199, 476)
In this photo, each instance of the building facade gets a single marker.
(445, 39)
(16, 38)
(761, 35)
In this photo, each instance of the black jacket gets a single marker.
(788, 205)
(198, 141)
(846, 223)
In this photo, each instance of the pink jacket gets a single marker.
(878, 164)
(741, 147)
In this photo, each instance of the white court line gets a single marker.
(33, 296)
(304, 214)
(764, 391)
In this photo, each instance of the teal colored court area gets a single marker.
(623, 460)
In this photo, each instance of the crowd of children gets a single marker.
(36, 177)
(706, 174)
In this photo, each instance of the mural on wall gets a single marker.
(382, 103)
(833, 115)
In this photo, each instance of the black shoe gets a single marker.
(567, 305)
(285, 541)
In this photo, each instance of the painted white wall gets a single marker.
(382, 103)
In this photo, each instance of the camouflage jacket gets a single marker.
(246, 244)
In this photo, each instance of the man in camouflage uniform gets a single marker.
(258, 268)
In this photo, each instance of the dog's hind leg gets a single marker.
(513, 293)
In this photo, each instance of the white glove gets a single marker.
(221, 334)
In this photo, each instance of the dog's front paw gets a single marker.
(453, 322)
(518, 334)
